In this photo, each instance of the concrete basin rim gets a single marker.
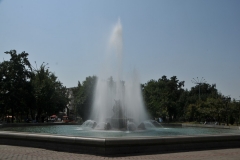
(29, 134)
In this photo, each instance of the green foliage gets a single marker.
(162, 97)
(24, 91)
(83, 97)
(49, 93)
(209, 107)
(166, 98)
(234, 111)
(15, 87)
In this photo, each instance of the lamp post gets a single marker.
(198, 82)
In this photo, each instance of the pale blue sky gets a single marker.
(183, 38)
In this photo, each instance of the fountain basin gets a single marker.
(108, 146)
(113, 146)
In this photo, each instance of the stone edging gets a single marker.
(110, 146)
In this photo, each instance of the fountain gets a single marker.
(119, 122)
(116, 101)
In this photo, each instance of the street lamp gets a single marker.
(198, 82)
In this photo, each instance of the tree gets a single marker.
(50, 95)
(235, 111)
(15, 86)
(83, 96)
(162, 97)
(209, 108)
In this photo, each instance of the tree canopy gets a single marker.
(162, 97)
(26, 91)
(49, 93)
(15, 76)
(83, 97)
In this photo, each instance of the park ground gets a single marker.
(8, 152)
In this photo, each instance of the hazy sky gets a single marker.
(183, 38)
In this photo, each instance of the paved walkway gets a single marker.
(26, 153)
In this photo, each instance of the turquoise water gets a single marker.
(78, 130)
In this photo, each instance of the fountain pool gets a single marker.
(75, 138)
(80, 131)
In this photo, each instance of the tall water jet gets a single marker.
(117, 101)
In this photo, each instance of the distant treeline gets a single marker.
(167, 99)
(26, 91)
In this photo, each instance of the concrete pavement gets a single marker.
(8, 152)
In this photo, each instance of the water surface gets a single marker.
(78, 130)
